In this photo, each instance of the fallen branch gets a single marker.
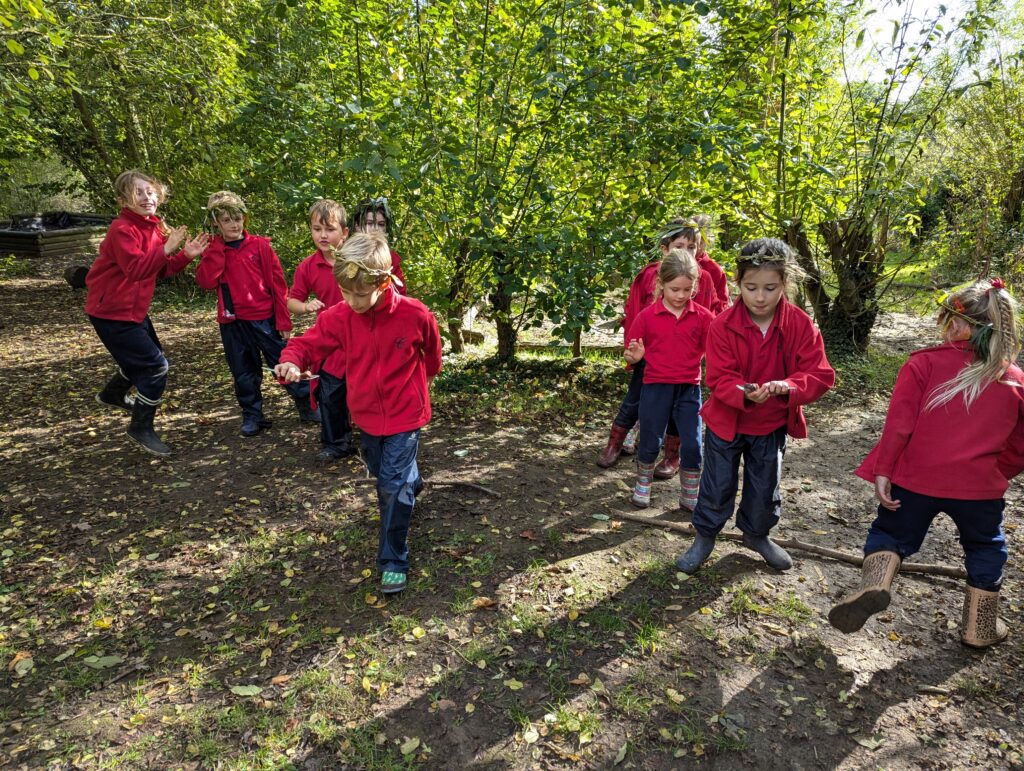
(437, 483)
(792, 543)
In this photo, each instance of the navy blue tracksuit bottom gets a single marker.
(247, 344)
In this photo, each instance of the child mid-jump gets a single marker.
(953, 437)
(315, 275)
(670, 335)
(137, 250)
(765, 359)
(392, 350)
(641, 295)
(252, 308)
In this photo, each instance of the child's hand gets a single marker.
(197, 245)
(760, 394)
(634, 351)
(285, 334)
(288, 372)
(883, 491)
(174, 239)
(777, 387)
(313, 306)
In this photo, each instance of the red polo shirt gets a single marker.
(316, 275)
(718, 280)
(673, 347)
(641, 295)
(949, 452)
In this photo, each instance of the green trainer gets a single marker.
(392, 582)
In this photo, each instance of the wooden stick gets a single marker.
(436, 483)
(792, 543)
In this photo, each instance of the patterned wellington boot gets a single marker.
(877, 573)
(610, 454)
(642, 491)
(689, 486)
(670, 460)
(981, 625)
(629, 443)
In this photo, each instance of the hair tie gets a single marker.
(997, 283)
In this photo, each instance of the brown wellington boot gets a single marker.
(981, 625)
(877, 573)
(670, 460)
(610, 454)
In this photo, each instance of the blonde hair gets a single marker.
(124, 190)
(677, 263)
(328, 211)
(995, 341)
(696, 228)
(364, 259)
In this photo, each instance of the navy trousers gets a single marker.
(629, 410)
(246, 345)
(392, 459)
(680, 402)
(137, 351)
(335, 428)
(761, 503)
(980, 524)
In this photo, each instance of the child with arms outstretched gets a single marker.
(765, 360)
(953, 437)
(392, 350)
(137, 250)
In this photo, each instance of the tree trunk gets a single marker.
(857, 264)
(501, 302)
(796, 236)
(1011, 203)
(456, 297)
(577, 344)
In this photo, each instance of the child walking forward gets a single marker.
(252, 308)
(765, 359)
(670, 336)
(953, 437)
(678, 234)
(137, 250)
(392, 350)
(315, 275)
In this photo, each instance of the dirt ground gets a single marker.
(218, 609)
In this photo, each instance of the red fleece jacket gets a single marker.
(950, 452)
(391, 352)
(732, 360)
(121, 281)
(253, 276)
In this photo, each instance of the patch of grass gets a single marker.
(12, 266)
(858, 376)
(631, 702)
(582, 722)
(367, 747)
(462, 602)
(793, 608)
(607, 619)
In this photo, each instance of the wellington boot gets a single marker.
(642, 490)
(981, 625)
(115, 393)
(670, 460)
(694, 557)
(611, 451)
(689, 487)
(141, 429)
(877, 573)
(629, 443)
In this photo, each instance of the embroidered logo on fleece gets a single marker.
(399, 342)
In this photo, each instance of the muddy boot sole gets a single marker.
(850, 615)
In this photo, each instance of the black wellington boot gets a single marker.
(115, 393)
(141, 429)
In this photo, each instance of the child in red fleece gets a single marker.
(670, 336)
(252, 308)
(953, 437)
(315, 275)
(765, 359)
(392, 350)
(137, 250)
(374, 216)
(641, 295)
